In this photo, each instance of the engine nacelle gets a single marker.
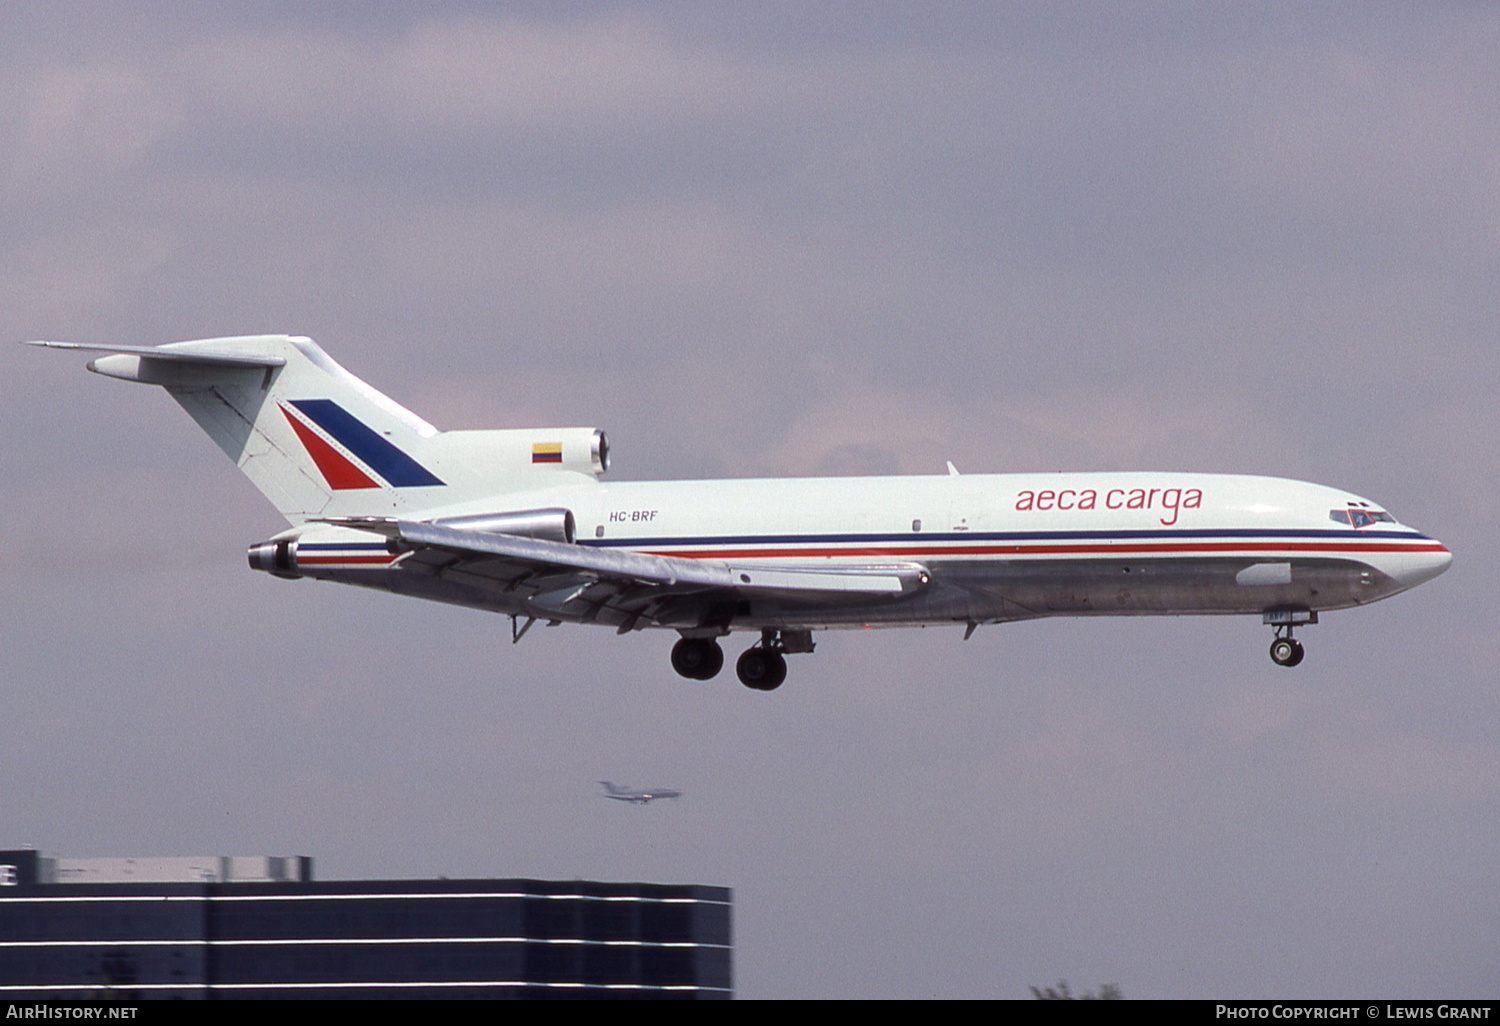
(546, 524)
(585, 450)
(503, 457)
(277, 558)
(599, 451)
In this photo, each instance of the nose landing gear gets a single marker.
(1287, 650)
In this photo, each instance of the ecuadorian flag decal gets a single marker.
(546, 452)
(378, 458)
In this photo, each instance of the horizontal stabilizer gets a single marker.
(171, 354)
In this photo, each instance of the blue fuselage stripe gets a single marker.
(341, 546)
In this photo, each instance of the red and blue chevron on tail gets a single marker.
(382, 458)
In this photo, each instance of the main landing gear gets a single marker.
(761, 667)
(697, 658)
(1287, 650)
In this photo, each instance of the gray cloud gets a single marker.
(782, 239)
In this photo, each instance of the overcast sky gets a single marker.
(782, 239)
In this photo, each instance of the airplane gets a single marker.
(634, 797)
(518, 522)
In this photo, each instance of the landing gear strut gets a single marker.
(697, 658)
(1287, 650)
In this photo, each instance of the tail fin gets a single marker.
(319, 442)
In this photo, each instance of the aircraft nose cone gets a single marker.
(1418, 567)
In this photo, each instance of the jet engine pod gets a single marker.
(599, 451)
(547, 524)
(583, 450)
(276, 558)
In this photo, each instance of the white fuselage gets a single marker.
(998, 547)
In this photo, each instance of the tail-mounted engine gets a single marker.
(585, 450)
(547, 524)
(277, 558)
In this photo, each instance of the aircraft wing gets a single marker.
(625, 584)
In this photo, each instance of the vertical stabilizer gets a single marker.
(319, 442)
(316, 440)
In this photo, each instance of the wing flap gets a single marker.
(876, 580)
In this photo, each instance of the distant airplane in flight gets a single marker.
(634, 797)
(517, 522)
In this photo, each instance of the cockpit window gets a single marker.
(1360, 517)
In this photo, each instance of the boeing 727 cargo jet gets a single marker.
(518, 522)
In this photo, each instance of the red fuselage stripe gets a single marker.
(1263, 548)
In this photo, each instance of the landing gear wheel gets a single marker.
(697, 658)
(1287, 652)
(761, 668)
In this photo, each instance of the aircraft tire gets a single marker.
(762, 669)
(697, 658)
(1287, 652)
